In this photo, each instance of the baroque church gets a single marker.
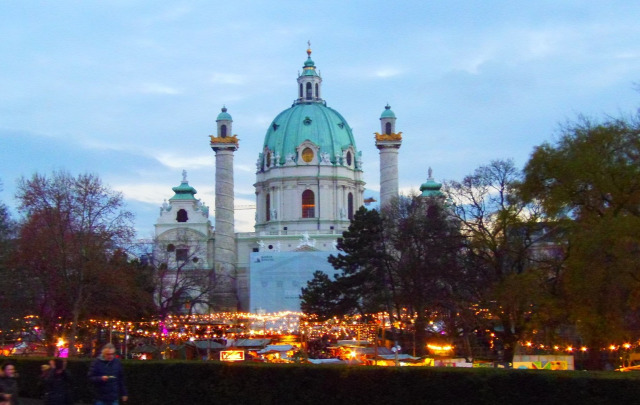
(309, 183)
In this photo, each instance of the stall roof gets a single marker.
(326, 361)
(206, 344)
(145, 349)
(276, 349)
(401, 357)
(257, 343)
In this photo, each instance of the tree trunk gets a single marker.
(420, 335)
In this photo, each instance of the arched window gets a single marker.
(268, 207)
(182, 216)
(268, 159)
(301, 91)
(350, 206)
(387, 128)
(317, 92)
(349, 158)
(308, 204)
(223, 131)
(309, 91)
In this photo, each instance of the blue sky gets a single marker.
(129, 90)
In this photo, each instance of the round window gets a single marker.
(307, 155)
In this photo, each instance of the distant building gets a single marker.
(309, 183)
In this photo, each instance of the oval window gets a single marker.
(349, 158)
(307, 155)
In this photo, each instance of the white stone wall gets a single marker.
(285, 184)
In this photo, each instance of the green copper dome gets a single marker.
(183, 192)
(431, 188)
(387, 113)
(315, 122)
(224, 115)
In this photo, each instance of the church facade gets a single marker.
(309, 183)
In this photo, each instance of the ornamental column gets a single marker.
(388, 143)
(224, 297)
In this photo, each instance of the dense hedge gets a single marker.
(182, 382)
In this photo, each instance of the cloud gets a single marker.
(152, 193)
(183, 162)
(170, 14)
(387, 72)
(244, 219)
(227, 78)
(156, 88)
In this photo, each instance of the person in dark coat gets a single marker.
(107, 375)
(9, 384)
(57, 384)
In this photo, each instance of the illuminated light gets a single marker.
(626, 345)
(556, 347)
(61, 342)
(529, 344)
(569, 349)
(439, 349)
(612, 347)
(583, 348)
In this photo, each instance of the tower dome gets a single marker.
(312, 122)
(309, 120)
(431, 188)
(309, 172)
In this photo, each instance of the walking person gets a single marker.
(57, 384)
(9, 384)
(107, 375)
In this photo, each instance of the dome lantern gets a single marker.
(309, 82)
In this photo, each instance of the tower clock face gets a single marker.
(307, 155)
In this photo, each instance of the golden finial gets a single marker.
(309, 48)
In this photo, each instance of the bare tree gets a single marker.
(72, 228)
(502, 231)
(182, 273)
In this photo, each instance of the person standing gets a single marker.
(107, 375)
(9, 384)
(57, 382)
